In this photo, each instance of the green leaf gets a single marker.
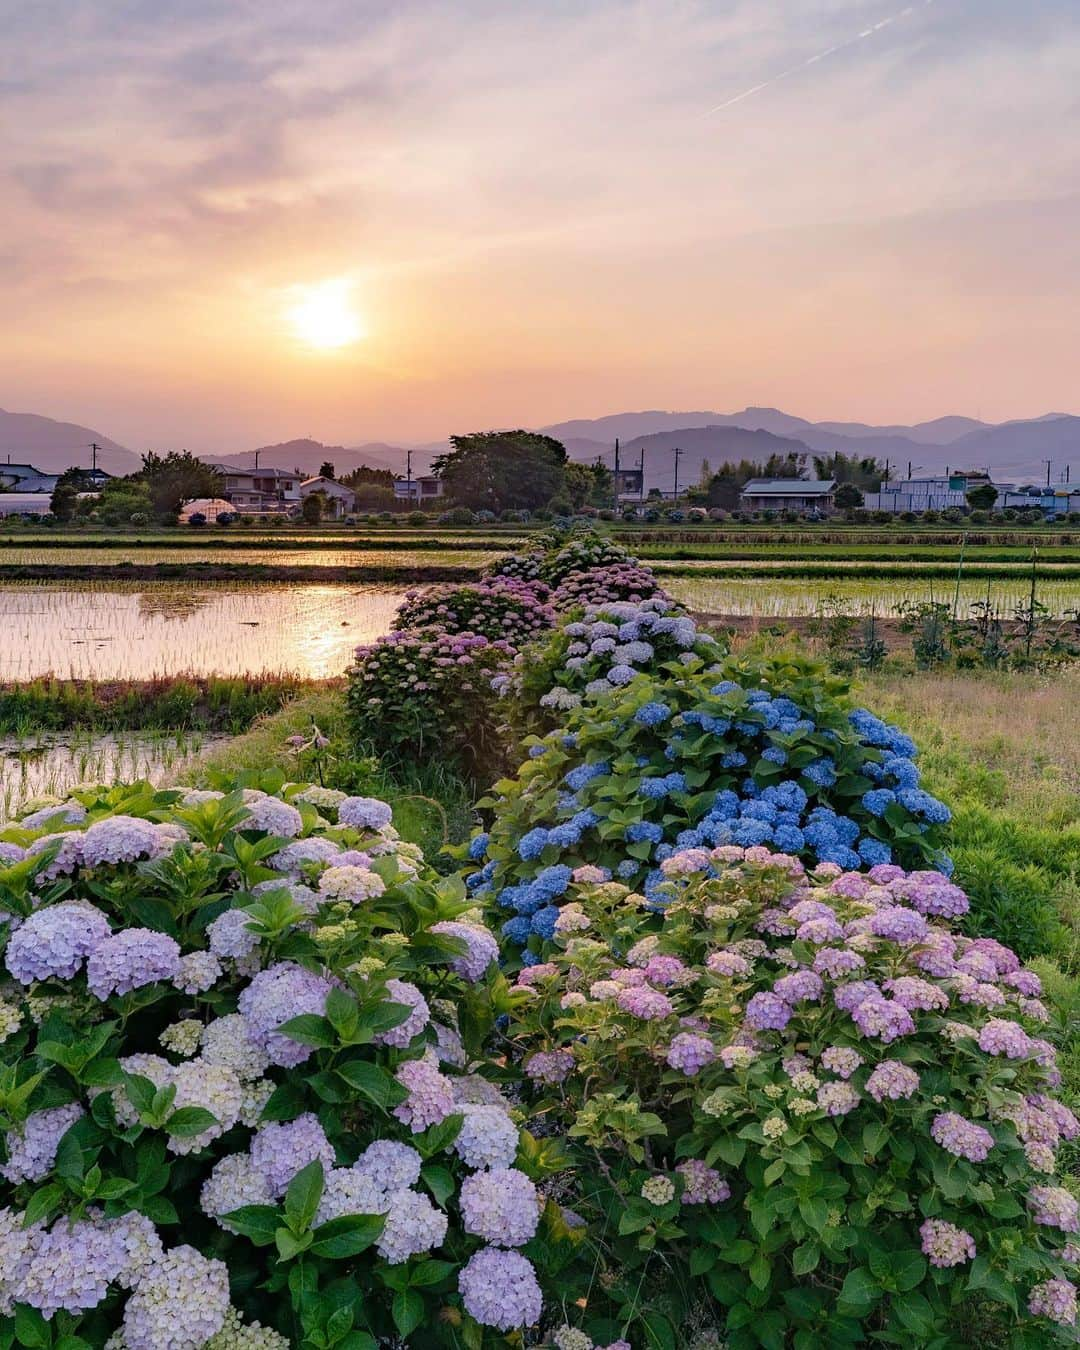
(860, 1291)
(347, 1236)
(805, 1258)
(303, 1196)
(31, 1329)
(408, 1309)
(259, 1223)
(342, 1013)
(374, 1082)
(439, 1182)
(189, 1121)
(431, 1272)
(289, 1245)
(908, 1269)
(309, 1029)
(43, 1201)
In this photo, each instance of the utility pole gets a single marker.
(678, 454)
(886, 478)
(408, 476)
(256, 461)
(1047, 463)
(643, 473)
(94, 448)
(616, 493)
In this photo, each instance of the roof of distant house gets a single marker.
(240, 472)
(790, 487)
(30, 469)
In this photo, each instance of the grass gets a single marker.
(432, 807)
(212, 703)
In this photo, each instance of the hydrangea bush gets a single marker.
(421, 692)
(807, 1101)
(607, 585)
(689, 760)
(583, 550)
(238, 1092)
(503, 607)
(586, 657)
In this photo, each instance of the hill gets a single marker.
(307, 455)
(53, 446)
(714, 444)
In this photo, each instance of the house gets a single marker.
(25, 478)
(419, 490)
(25, 503)
(339, 499)
(207, 507)
(788, 494)
(266, 491)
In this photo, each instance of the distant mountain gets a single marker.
(308, 455)
(26, 438)
(714, 444)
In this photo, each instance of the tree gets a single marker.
(848, 497)
(588, 485)
(326, 470)
(864, 471)
(176, 478)
(312, 508)
(65, 499)
(502, 470)
(982, 496)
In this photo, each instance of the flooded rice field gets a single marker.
(52, 763)
(788, 597)
(137, 630)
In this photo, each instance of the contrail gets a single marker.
(813, 60)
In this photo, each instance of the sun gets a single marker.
(323, 315)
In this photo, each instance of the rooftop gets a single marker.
(790, 487)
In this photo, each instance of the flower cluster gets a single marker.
(802, 1044)
(502, 607)
(164, 1131)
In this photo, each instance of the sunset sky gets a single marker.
(227, 223)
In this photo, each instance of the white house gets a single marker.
(340, 500)
(26, 478)
(422, 490)
(788, 494)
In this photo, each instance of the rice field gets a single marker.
(788, 597)
(139, 630)
(51, 764)
(119, 554)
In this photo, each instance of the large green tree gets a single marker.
(862, 470)
(982, 496)
(502, 470)
(588, 485)
(176, 478)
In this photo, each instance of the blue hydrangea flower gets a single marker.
(517, 929)
(578, 778)
(774, 755)
(543, 921)
(531, 845)
(822, 772)
(478, 846)
(873, 852)
(903, 770)
(877, 799)
(789, 839)
(642, 830)
(553, 881)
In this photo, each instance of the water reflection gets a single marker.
(109, 630)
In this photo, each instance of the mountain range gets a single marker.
(1015, 451)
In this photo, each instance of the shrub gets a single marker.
(805, 1102)
(197, 518)
(503, 607)
(423, 692)
(580, 553)
(697, 514)
(457, 515)
(607, 585)
(573, 663)
(484, 516)
(522, 566)
(233, 1078)
(417, 518)
(139, 518)
(774, 757)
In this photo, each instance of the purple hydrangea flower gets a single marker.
(1055, 1207)
(431, 1095)
(31, 1147)
(131, 959)
(837, 1098)
(690, 1052)
(499, 1289)
(280, 1150)
(364, 813)
(946, 1245)
(647, 1004)
(892, 1079)
(702, 1185)
(53, 942)
(550, 1066)
(502, 1206)
(407, 994)
(180, 1303)
(767, 1012)
(804, 986)
(1002, 1037)
(1054, 1300)
(883, 1018)
(962, 1138)
(480, 948)
(275, 996)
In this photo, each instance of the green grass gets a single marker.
(432, 806)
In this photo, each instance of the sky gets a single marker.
(511, 212)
